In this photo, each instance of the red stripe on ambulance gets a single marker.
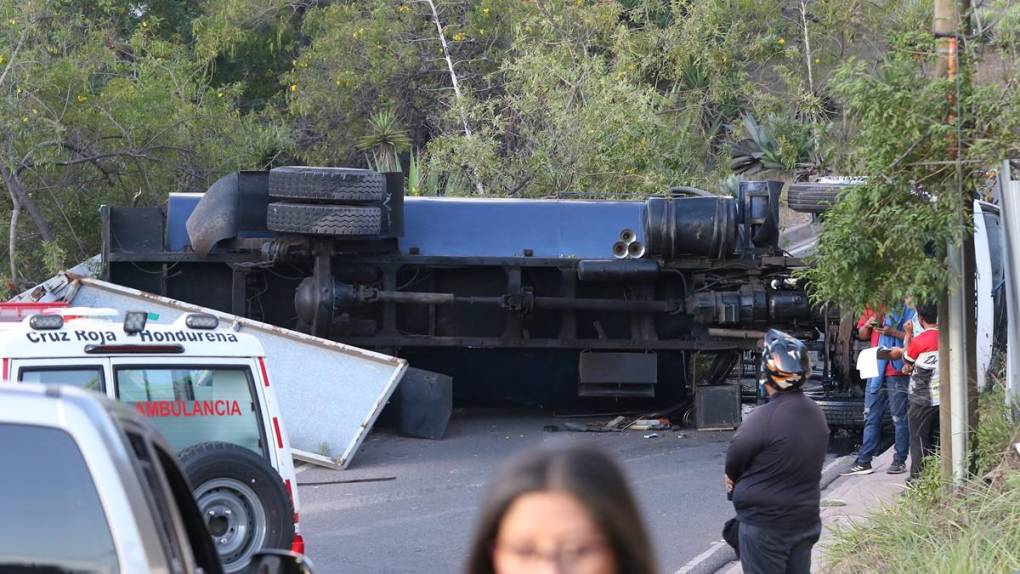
(279, 435)
(265, 374)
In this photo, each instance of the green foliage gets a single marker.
(89, 116)
(54, 257)
(971, 528)
(779, 146)
(384, 140)
(122, 102)
(936, 528)
(995, 431)
(881, 241)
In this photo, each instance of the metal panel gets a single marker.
(1009, 199)
(983, 292)
(717, 407)
(178, 207)
(424, 404)
(136, 229)
(619, 368)
(452, 227)
(617, 374)
(330, 394)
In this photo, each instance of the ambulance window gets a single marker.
(89, 378)
(53, 520)
(195, 404)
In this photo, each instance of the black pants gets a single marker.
(924, 435)
(768, 551)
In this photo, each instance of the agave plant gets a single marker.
(385, 139)
(778, 144)
(758, 152)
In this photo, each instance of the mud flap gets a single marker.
(215, 217)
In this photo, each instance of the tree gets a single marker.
(89, 116)
(883, 240)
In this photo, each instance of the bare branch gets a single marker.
(807, 45)
(14, 55)
(453, 80)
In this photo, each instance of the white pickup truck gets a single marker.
(207, 389)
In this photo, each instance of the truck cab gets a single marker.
(206, 389)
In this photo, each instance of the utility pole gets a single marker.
(957, 325)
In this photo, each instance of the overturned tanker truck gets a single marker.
(521, 301)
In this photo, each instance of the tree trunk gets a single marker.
(12, 241)
(456, 85)
(18, 193)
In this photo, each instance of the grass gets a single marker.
(974, 528)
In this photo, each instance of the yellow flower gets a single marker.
(293, 87)
(459, 37)
(81, 98)
(485, 11)
(781, 41)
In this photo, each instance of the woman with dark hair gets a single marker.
(561, 509)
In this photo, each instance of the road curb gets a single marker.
(831, 471)
(719, 555)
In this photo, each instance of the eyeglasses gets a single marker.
(567, 558)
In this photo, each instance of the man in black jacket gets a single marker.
(774, 466)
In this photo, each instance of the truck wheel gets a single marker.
(813, 197)
(342, 220)
(242, 500)
(848, 413)
(327, 184)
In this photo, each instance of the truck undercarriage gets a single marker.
(549, 302)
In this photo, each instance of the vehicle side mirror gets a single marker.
(279, 562)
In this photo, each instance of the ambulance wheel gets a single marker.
(242, 500)
(327, 184)
(336, 220)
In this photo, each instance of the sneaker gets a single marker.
(859, 468)
(896, 467)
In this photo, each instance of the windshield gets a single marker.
(52, 520)
(194, 404)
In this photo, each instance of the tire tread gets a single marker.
(327, 184)
(336, 220)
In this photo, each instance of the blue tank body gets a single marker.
(553, 229)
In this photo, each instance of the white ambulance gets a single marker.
(206, 389)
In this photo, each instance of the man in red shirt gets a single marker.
(922, 358)
(887, 390)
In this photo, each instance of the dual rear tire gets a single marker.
(326, 201)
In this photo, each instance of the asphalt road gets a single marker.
(422, 521)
